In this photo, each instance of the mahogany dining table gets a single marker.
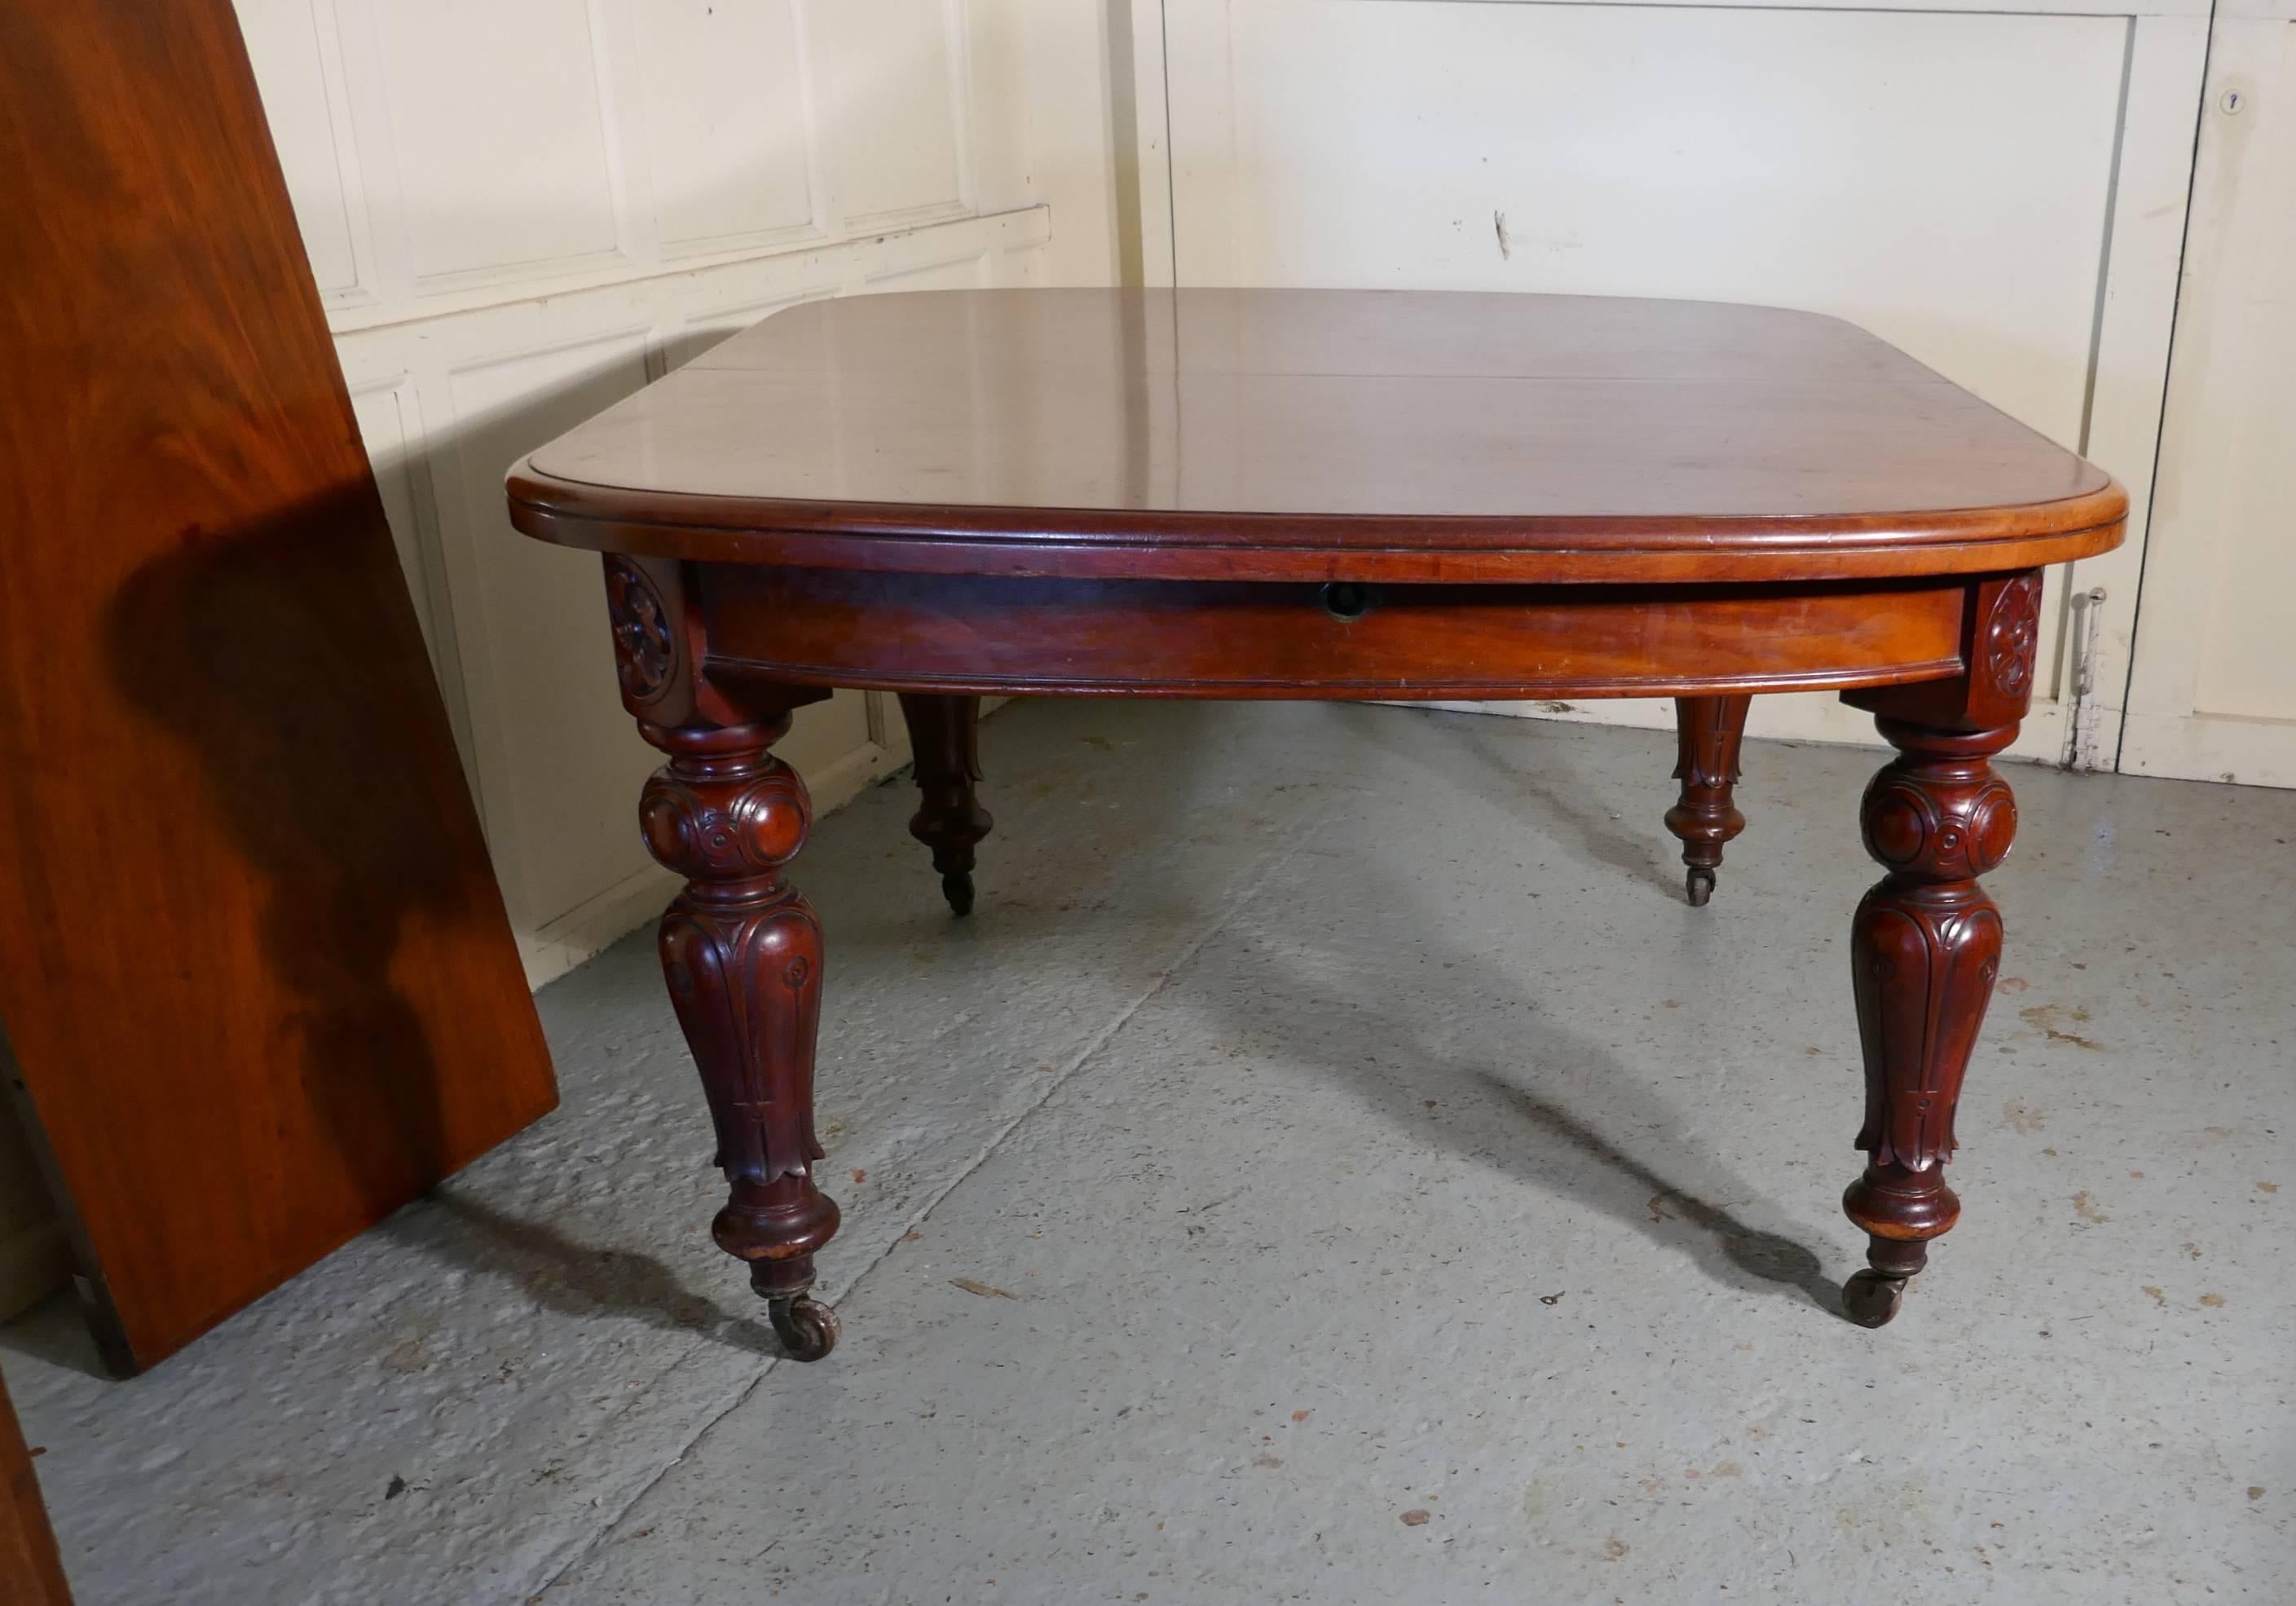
(1306, 494)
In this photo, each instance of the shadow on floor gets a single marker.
(572, 1279)
(1762, 1257)
(1392, 1056)
(56, 1332)
(1641, 850)
(1529, 1121)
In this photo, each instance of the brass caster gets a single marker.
(957, 887)
(1871, 1299)
(1701, 886)
(807, 1328)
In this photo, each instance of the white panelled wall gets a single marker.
(520, 210)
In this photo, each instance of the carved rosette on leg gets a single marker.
(741, 948)
(1707, 732)
(1925, 950)
(945, 734)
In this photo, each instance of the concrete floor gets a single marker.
(1333, 1165)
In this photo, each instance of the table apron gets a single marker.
(990, 634)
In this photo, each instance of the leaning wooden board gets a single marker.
(254, 968)
(31, 1570)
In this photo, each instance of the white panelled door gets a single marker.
(2213, 696)
(1999, 192)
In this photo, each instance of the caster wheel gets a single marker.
(1871, 1299)
(807, 1328)
(957, 888)
(1701, 886)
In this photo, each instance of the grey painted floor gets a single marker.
(1381, 1184)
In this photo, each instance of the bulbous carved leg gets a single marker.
(1708, 731)
(945, 733)
(742, 952)
(1925, 947)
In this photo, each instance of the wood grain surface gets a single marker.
(31, 1570)
(1317, 434)
(254, 967)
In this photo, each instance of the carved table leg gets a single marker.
(1924, 948)
(945, 732)
(741, 950)
(740, 947)
(1708, 731)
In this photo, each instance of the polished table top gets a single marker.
(1442, 436)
